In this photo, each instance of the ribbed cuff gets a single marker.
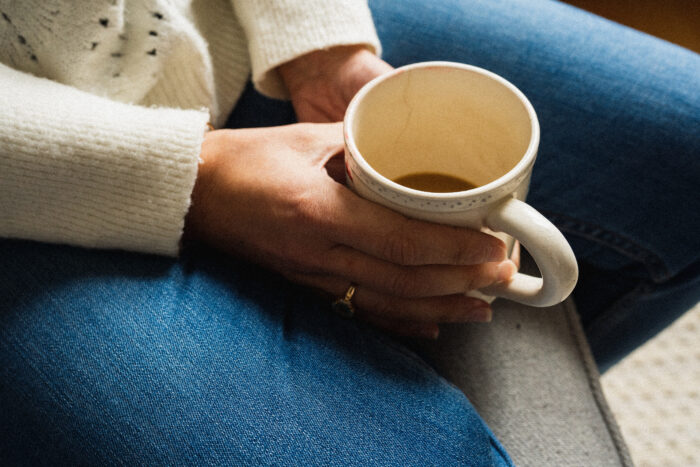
(84, 170)
(281, 30)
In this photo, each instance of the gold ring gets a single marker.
(343, 306)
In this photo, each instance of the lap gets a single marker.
(108, 354)
(111, 355)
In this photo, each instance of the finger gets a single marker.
(515, 254)
(456, 308)
(318, 142)
(414, 281)
(328, 138)
(415, 329)
(386, 234)
(335, 166)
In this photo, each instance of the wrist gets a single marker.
(209, 157)
(322, 65)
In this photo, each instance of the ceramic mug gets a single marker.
(465, 122)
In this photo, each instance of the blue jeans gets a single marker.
(113, 357)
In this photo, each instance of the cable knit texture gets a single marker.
(105, 103)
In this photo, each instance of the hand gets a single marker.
(265, 194)
(322, 83)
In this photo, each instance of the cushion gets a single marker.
(531, 376)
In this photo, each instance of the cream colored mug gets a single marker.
(461, 121)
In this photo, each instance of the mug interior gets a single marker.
(453, 121)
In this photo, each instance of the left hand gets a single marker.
(264, 194)
(322, 83)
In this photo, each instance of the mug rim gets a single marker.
(525, 162)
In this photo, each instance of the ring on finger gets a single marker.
(343, 306)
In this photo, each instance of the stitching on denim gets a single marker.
(656, 267)
(593, 377)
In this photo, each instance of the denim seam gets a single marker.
(592, 376)
(656, 267)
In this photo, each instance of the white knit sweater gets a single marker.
(104, 104)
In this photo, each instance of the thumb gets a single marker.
(334, 161)
(327, 141)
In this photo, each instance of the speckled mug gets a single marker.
(464, 121)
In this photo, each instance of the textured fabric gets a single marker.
(79, 362)
(92, 171)
(279, 30)
(117, 358)
(186, 54)
(81, 169)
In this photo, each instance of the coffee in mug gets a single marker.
(455, 144)
(434, 182)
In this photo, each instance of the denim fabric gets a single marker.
(117, 358)
(111, 357)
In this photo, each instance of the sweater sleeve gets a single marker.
(84, 170)
(281, 30)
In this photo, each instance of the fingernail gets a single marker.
(506, 270)
(482, 314)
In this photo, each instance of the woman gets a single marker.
(109, 355)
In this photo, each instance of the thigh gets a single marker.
(618, 164)
(111, 357)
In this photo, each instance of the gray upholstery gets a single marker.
(531, 376)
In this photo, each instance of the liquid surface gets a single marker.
(434, 182)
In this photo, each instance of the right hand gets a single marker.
(267, 195)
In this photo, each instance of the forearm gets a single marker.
(84, 170)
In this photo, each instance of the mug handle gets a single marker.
(549, 249)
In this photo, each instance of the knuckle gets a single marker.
(301, 206)
(400, 248)
(403, 284)
(468, 251)
(471, 282)
(463, 254)
(306, 208)
(480, 277)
